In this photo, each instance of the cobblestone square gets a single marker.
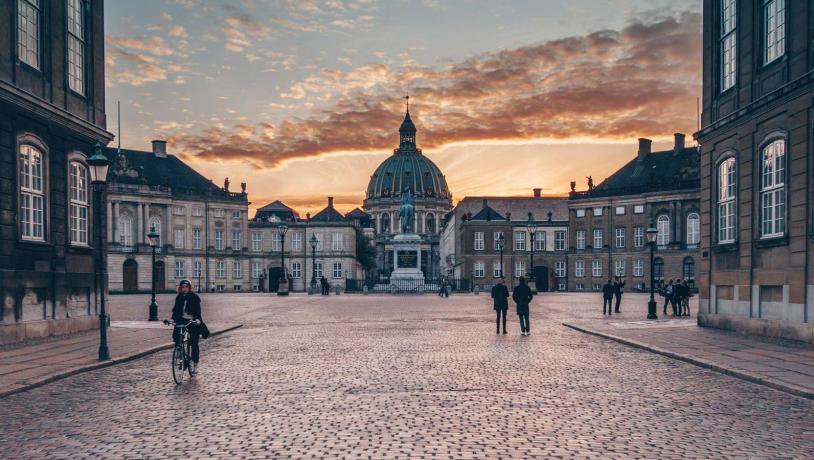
(383, 376)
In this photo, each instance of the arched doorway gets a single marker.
(160, 276)
(130, 275)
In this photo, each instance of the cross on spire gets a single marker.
(407, 98)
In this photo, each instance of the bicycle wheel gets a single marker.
(178, 359)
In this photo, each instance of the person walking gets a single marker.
(187, 308)
(500, 296)
(323, 283)
(686, 298)
(678, 297)
(618, 290)
(668, 297)
(607, 298)
(522, 297)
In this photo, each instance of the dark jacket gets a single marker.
(522, 296)
(189, 306)
(607, 290)
(618, 288)
(501, 295)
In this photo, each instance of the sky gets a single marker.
(302, 99)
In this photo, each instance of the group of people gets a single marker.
(677, 296)
(325, 285)
(610, 290)
(521, 295)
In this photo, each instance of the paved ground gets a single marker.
(408, 376)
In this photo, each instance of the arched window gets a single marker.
(663, 226)
(78, 203)
(430, 225)
(155, 226)
(32, 194)
(386, 223)
(126, 230)
(658, 269)
(689, 269)
(773, 189)
(727, 200)
(693, 229)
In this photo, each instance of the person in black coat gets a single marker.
(323, 282)
(188, 307)
(500, 294)
(522, 297)
(618, 290)
(607, 297)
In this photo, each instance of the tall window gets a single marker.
(774, 13)
(479, 241)
(219, 239)
(277, 241)
(580, 239)
(638, 267)
(478, 270)
(579, 268)
(497, 270)
(32, 194)
(79, 203)
(237, 243)
(197, 269)
(179, 238)
(318, 269)
(773, 189)
(663, 227)
(257, 241)
(658, 269)
(237, 269)
(519, 268)
(336, 242)
(559, 269)
(638, 236)
(337, 270)
(729, 58)
(296, 241)
(620, 237)
(727, 201)
(76, 46)
(539, 241)
(519, 241)
(220, 269)
(196, 238)
(693, 229)
(126, 231)
(296, 270)
(385, 223)
(596, 268)
(620, 267)
(179, 269)
(430, 223)
(496, 237)
(689, 269)
(598, 240)
(559, 241)
(28, 32)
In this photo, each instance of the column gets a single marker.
(140, 223)
(418, 250)
(146, 221)
(116, 220)
(109, 222)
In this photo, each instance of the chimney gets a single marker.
(679, 145)
(537, 192)
(644, 148)
(160, 148)
(330, 202)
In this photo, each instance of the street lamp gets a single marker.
(500, 241)
(314, 242)
(532, 229)
(283, 289)
(98, 165)
(651, 239)
(153, 237)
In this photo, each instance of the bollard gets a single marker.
(365, 290)
(477, 290)
(336, 289)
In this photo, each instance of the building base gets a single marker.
(19, 332)
(802, 332)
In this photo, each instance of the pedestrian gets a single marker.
(500, 296)
(188, 308)
(607, 298)
(668, 297)
(522, 297)
(442, 291)
(687, 295)
(618, 290)
(323, 283)
(678, 297)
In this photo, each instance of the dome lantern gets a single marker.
(407, 130)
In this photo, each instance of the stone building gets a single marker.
(334, 255)
(756, 167)
(203, 228)
(607, 223)
(52, 106)
(408, 169)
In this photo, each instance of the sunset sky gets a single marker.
(303, 99)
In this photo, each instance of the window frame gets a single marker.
(560, 240)
(520, 240)
(663, 237)
(539, 241)
(638, 268)
(478, 269)
(81, 90)
(596, 268)
(560, 269)
(728, 77)
(730, 201)
(257, 241)
(781, 29)
(478, 243)
(579, 268)
(34, 145)
(597, 235)
(38, 27)
(581, 241)
(78, 204)
(619, 237)
(638, 236)
(197, 238)
(125, 238)
(776, 189)
(691, 230)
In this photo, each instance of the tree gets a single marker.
(365, 251)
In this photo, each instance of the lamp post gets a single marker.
(500, 240)
(283, 289)
(314, 243)
(651, 239)
(153, 237)
(532, 229)
(98, 165)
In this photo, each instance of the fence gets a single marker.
(403, 286)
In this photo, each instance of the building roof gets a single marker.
(517, 206)
(329, 214)
(276, 208)
(487, 213)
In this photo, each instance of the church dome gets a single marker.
(408, 168)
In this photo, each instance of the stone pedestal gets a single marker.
(407, 274)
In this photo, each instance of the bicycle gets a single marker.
(181, 353)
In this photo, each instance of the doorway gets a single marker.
(130, 276)
(274, 278)
(160, 276)
(541, 278)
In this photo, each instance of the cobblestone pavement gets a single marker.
(407, 377)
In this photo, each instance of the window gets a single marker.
(580, 286)
(179, 210)
(277, 241)
(237, 288)
(580, 239)
(385, 223)
(179, 268)
(689, 269)
(479, 241)
(497, 243)
(179, 238)
(559, 270)
(638, 237)
(236, 214)
(598, 238)
(197, 212)
(658, 269)
(296, 270)
(79, 203)
(296, 241)
(559, 241)
(773, 189)
(519, 241)
(32, 194)
(220, 269)
(663, 227)
(619, 267)
(693, 229)
(597, 212)
(257, 241)
(596, 268)
(539, 241)
(519, 269)
(155, 227)
(219, 213)
(336, 242)
(497, 270)
(620, 237)
(319, 241)
(197, 269)
(76, 46)
(727, 201)
(196, 238)
(638, 209)
(219, 240)
(729, 59)
(620, 210)
(597, 287)
(28, 32)
(479, 270)
(126, 231)
(429, 226)
(237, 236)
(580, 213)
(638, 267)
(257, 269)
(775, 29)
(318, 269)
(579, 268)
(337, 270)
(237, 269)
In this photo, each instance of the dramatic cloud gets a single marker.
(140, 60)
(607, 85)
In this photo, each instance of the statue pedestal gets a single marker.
(407, 274)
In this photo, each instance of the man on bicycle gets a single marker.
(188, 308)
